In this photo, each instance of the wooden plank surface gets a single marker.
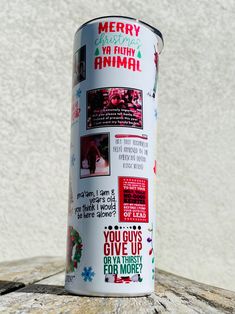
(17, 274)
(173, 294)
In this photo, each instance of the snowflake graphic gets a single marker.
(88, 274)
(78, 93)
(73, 159)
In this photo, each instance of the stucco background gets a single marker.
(196, 129)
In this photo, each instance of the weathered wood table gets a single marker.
(36, 286)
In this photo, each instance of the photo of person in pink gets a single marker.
(94, 155)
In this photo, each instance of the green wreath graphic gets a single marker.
(73, 259)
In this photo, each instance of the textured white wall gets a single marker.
(196, 217)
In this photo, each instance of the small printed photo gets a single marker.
(79, 66)
(117, 107)
(95, 160)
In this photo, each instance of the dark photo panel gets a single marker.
(95, 155)
(115, 107)
(79, 66)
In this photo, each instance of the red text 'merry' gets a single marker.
(128, 29)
